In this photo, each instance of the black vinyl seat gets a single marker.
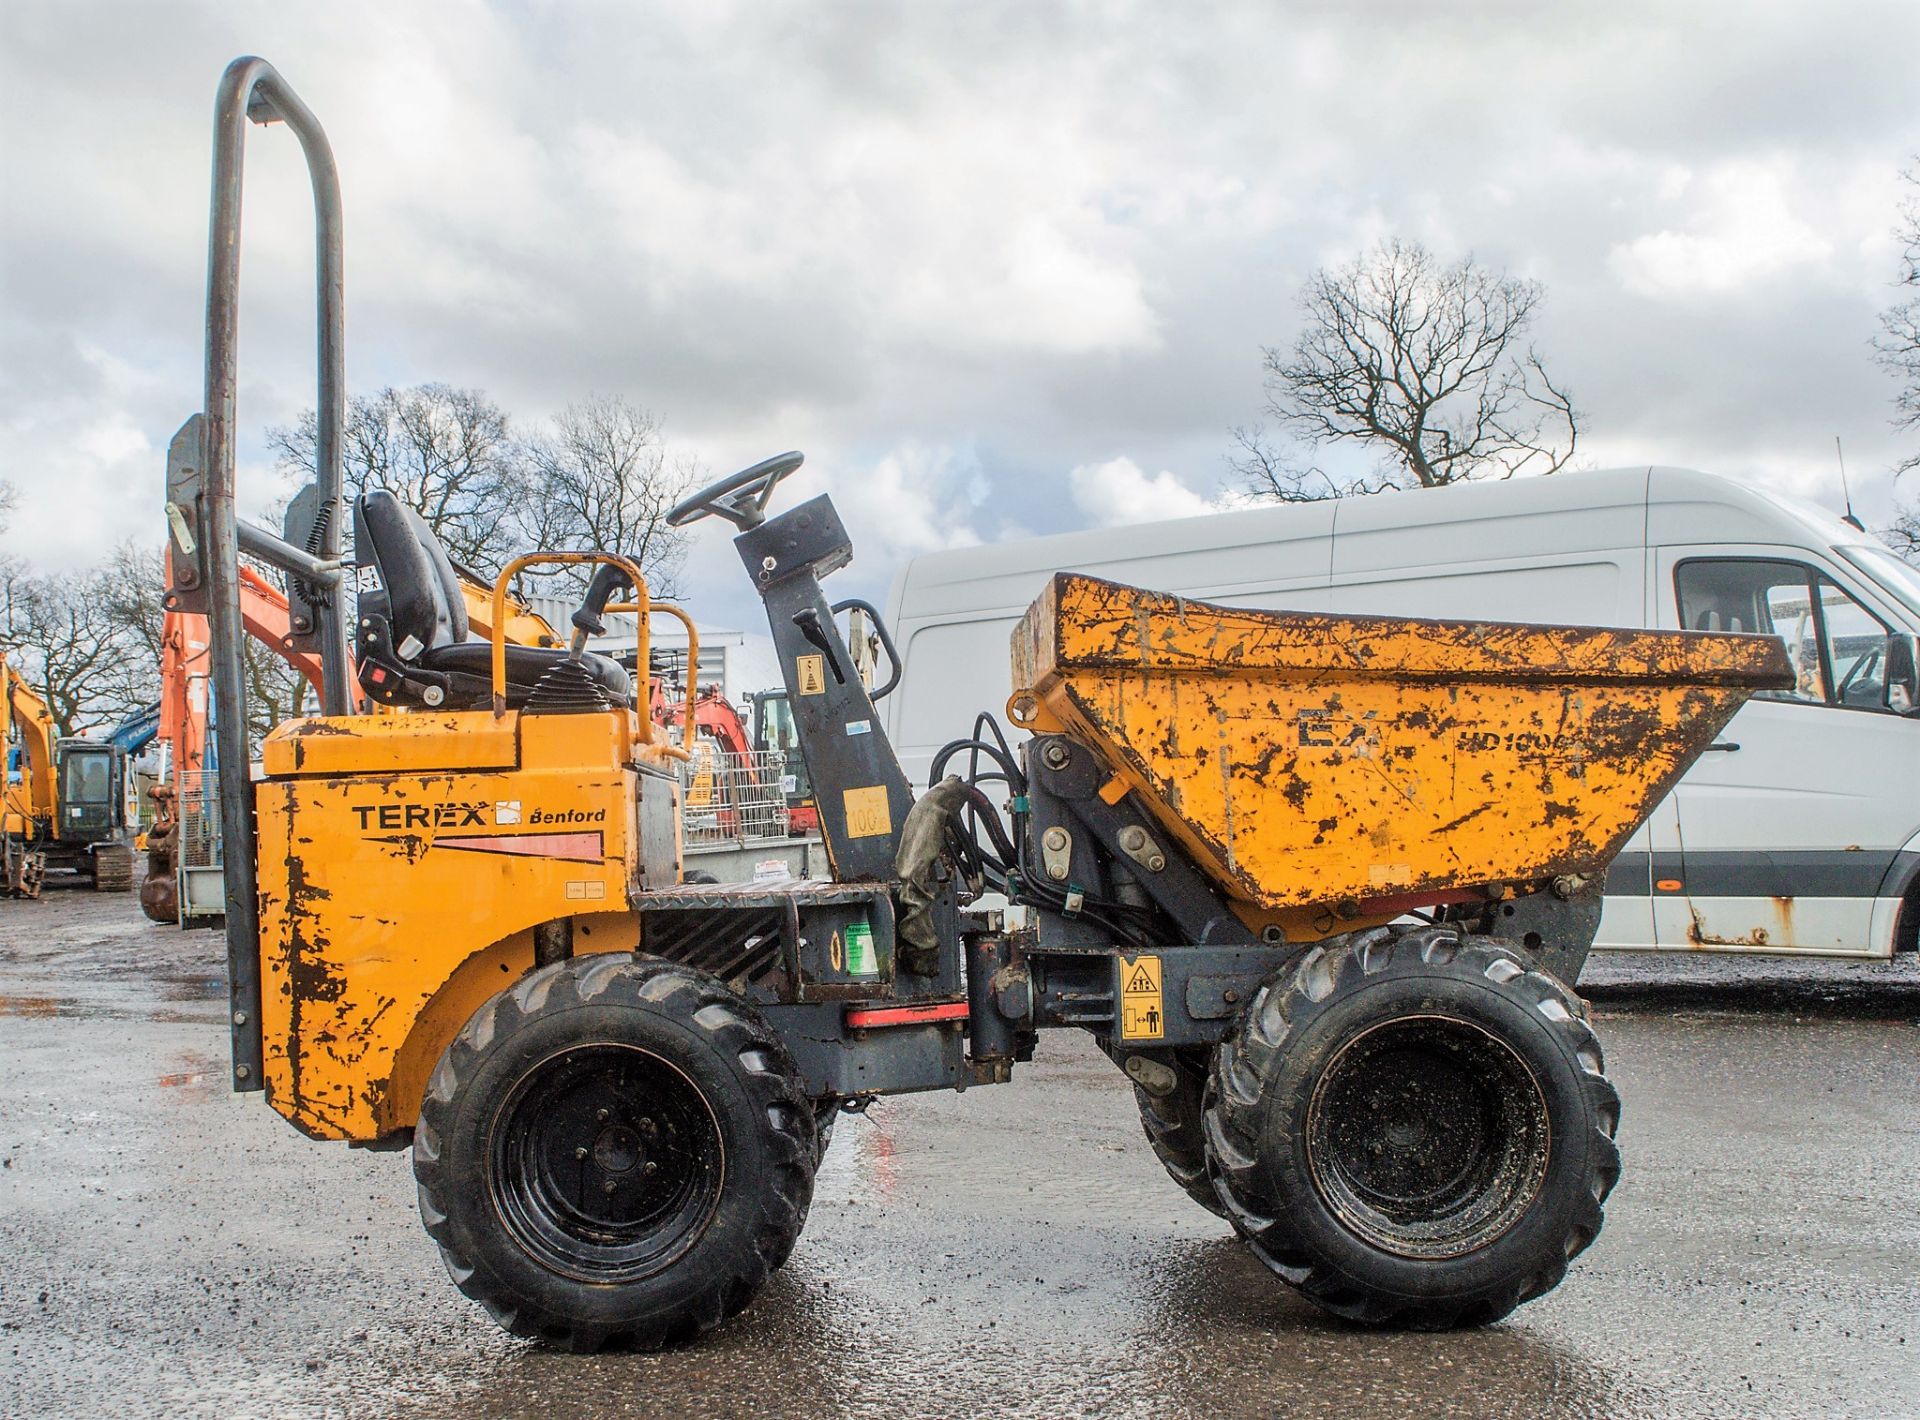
(413, 643)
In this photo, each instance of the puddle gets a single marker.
(195, 988)
(199, 1077)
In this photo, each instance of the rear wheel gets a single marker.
(616, 1151)
(1414, 1129)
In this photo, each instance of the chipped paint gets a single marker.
(1353, 762)
(364, 934)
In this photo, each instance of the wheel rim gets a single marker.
(1428, 1136)
(606, 1163)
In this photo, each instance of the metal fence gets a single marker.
(732, 798)
(198, 806)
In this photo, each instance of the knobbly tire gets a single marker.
(1413, 1129)
(1175, 1126)
(614, 1152)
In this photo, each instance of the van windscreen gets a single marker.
(1899, 580)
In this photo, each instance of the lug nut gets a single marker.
(580, 1151)
(602, 1115)
(608, 1186)
(649, 1168)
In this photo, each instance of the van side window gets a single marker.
(1838, 648)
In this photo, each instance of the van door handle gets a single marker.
(1723, 746)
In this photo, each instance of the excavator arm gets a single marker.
(23, 710)
(186, 670)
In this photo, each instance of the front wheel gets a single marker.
(616, 1151)
(1413, 1129)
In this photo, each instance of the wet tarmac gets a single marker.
(171, 1249)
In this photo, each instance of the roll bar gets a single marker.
(640, 670)
(252, 90)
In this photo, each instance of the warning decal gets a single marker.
(811, 673)
(868, 815)
(1142, 1009)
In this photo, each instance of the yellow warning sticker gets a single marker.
(1143, 1013)
(868, 815)
(811, 672)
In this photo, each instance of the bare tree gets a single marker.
(63, 636)
(1903, 534)
(1269, 471)
(275, 691)
(447, 453)
(135, 586)
(602, 477)
(1423, 362)
(1897, 347)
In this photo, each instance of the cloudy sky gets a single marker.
(998, 268)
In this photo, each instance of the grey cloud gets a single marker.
(1033, 237)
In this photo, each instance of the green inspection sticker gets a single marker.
(860, 957)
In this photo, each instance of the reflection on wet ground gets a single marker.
(1007, 1252)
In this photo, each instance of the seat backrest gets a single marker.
(412, 581)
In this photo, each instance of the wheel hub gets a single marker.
(617, 1149)
(1427, 1136)
(606, 1162)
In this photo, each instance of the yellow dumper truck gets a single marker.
(1306, 879)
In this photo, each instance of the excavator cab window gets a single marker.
(773, 729)
(88, 778)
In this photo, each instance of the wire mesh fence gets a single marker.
(198, 806)
(732, 798)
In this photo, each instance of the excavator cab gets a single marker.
(90, 792)
(775, 733)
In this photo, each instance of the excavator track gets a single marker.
(113, 868)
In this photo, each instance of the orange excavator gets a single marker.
(185, 702)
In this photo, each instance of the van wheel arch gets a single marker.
(1906, 927)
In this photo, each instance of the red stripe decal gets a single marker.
(576, 847)
(907, 1015)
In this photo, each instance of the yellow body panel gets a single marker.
(393, 903)
(419, 740)
(1324, 769)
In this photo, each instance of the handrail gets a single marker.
(693, 658)
(534, 559)
(252, 89)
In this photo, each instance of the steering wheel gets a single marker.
(740, 498)
(1858, 678)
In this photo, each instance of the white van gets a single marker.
(1798, 832)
